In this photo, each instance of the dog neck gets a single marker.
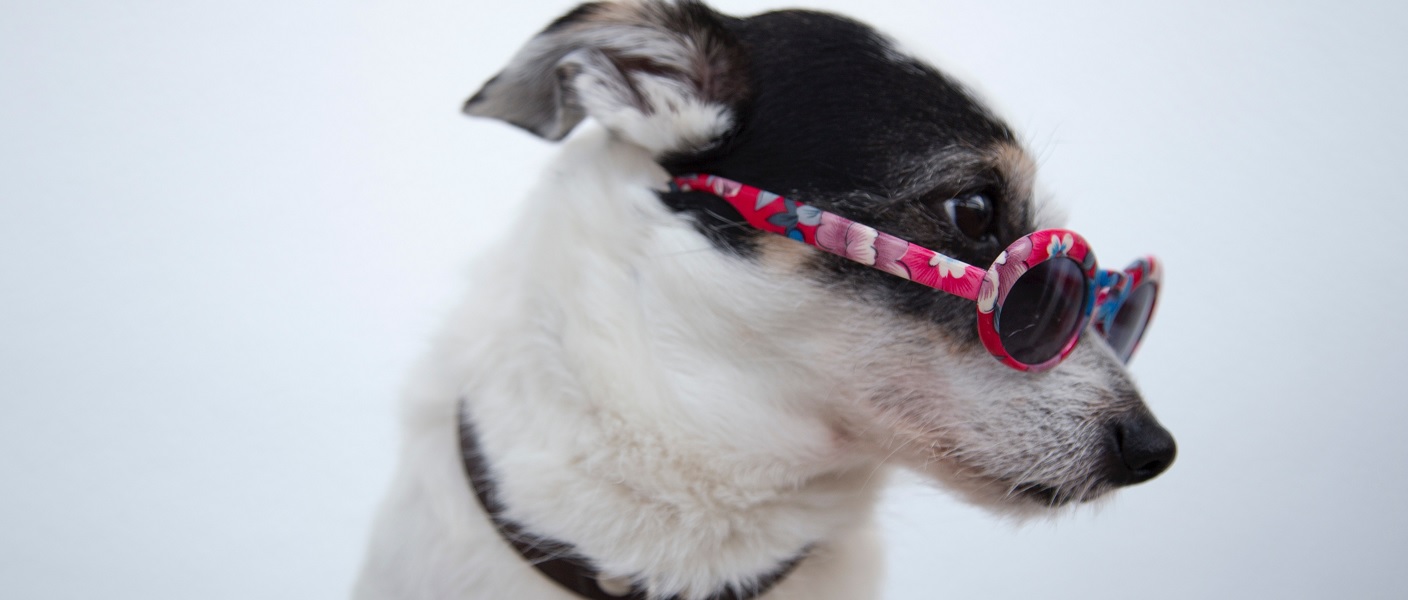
(559, 561)
(637, 402)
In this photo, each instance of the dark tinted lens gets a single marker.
(1128, 325)
(1042, 311)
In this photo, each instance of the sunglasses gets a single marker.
(1033, 302)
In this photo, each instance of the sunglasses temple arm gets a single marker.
(966, 286)
(838, 235)
(907, 260)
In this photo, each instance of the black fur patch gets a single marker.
(835, 118)
(717, 220)
(582, 13)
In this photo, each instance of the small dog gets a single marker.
(645, 397)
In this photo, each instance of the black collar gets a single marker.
(558, 560)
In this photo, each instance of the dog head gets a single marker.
(823, 109)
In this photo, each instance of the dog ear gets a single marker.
(667, 76)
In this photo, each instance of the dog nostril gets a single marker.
(1141, 448)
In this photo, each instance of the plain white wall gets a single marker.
(227, 228)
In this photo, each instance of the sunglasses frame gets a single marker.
(1112, 298)
(864, 244)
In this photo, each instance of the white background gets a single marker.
(228, 228)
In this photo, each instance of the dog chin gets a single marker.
(1027, 499)
(1046, 496)
(1034, 501)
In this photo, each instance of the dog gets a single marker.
(644, 397)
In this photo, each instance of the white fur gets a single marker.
(631, 405)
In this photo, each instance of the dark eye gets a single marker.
(972, 215)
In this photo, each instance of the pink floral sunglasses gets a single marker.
(1033, 302)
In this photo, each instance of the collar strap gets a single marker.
(558, 560)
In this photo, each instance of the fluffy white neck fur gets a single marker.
(640, 395)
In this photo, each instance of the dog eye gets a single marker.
(972, 214)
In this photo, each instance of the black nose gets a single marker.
(1140, 448)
